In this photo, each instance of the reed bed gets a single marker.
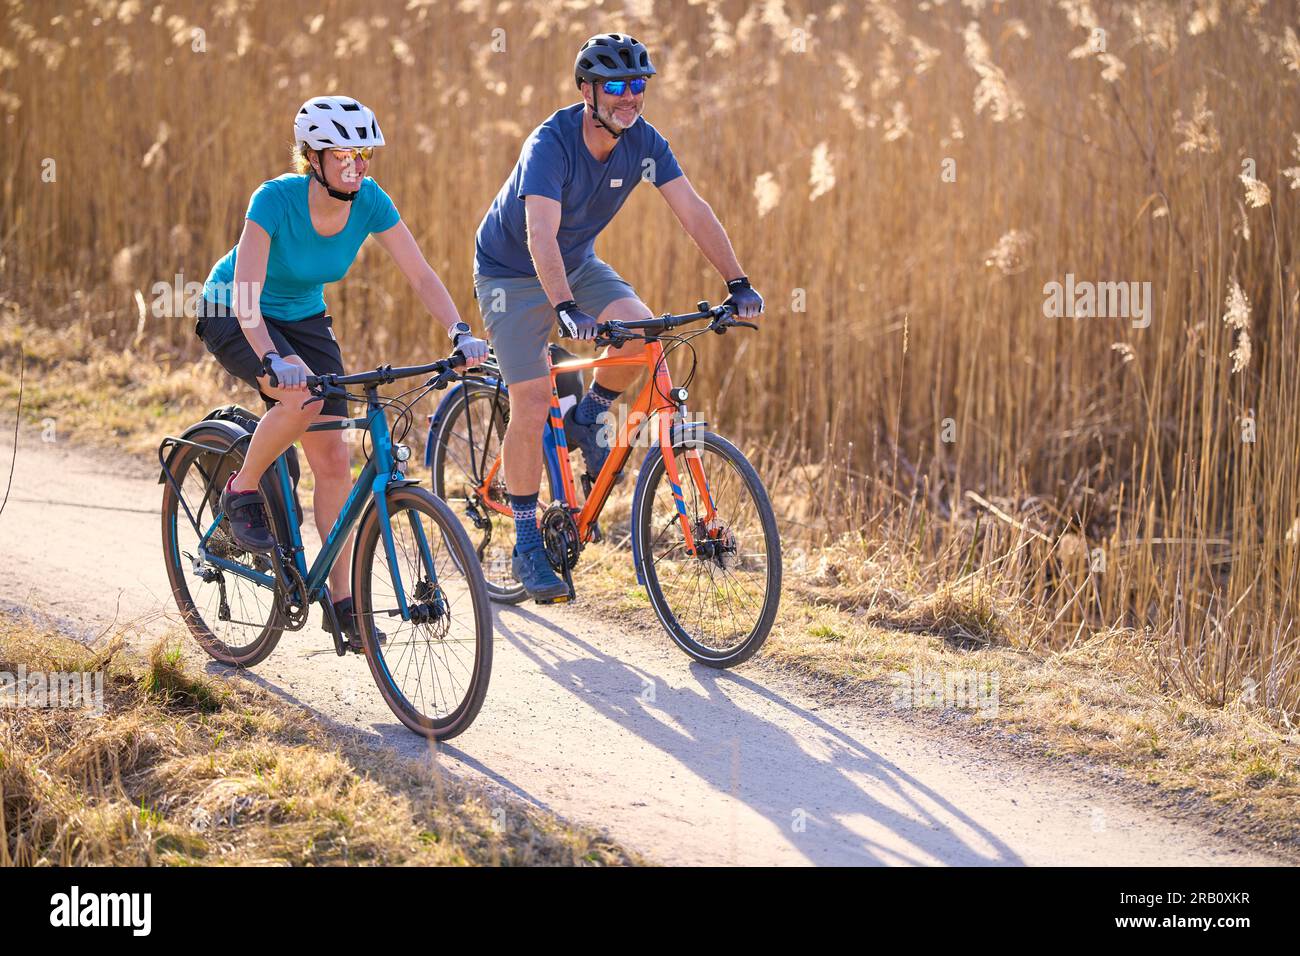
(902, 181)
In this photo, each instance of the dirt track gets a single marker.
(733, 767)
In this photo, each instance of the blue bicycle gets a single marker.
(423, 612)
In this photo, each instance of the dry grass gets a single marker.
(938, 410)
(183, 769)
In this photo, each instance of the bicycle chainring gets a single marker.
(560, 537)
(295, 612)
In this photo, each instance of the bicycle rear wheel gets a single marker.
(719, 603)
(432, 669)
(466, 446)
(237, 621)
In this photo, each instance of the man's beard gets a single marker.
(607, 114)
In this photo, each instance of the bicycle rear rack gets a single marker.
(166, 450)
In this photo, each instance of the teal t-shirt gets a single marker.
(301, 260)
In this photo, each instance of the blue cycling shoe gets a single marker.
(586, 438)
(533, 570)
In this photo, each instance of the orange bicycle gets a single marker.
(704, 538)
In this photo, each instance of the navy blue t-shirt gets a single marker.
(556, 163)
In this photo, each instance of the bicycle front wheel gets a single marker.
(718, 604)
(432, 667)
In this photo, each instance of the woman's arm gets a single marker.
(401, 245)
(246, 303)
(250, 276)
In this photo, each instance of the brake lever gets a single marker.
(443, 379)
(326, 392)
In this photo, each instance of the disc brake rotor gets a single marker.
(716, 542)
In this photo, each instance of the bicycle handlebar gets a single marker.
(721, 318)
(332, 385)
(387, 374)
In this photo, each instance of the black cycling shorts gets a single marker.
(311, 339)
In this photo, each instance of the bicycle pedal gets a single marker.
(562, 599)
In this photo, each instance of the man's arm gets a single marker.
(543, 217)
(697, 218)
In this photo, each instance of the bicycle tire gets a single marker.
(653, 473)
(175, 526)
(401, 502)
(500, 582)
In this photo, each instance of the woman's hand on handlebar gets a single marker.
(287, 373)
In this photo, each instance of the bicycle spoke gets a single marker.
(431, 665)
(250, 606)
(717, 596)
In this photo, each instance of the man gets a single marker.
(534, 263)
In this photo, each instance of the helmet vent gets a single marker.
(361, 132)
(607, 61)
(343, 130)
(325, 106)
(352, 107)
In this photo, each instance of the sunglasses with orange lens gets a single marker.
(354, 153)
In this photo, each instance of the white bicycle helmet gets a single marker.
(333, 122)
(336, 121)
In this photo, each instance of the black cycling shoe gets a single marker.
(586, 438)
(348, 623)
(533, 570)
(246, 512)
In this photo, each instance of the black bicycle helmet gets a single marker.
(610, 56)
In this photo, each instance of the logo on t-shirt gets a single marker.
(615, 183)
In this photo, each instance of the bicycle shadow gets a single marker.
(379, 731)
(696, 719)
(752, 758)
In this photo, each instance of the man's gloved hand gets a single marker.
(475, 350)
(744, 298)
(574, 323)
(282, 372)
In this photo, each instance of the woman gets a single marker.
(264, 311)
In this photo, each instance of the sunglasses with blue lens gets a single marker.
(616, 87)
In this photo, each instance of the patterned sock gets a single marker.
(527, 537)
(598, 399)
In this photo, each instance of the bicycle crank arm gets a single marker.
(332, 624)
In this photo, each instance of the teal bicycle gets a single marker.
(422, 607)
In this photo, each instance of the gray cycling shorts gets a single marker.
(520, 320)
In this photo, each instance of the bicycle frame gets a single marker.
(652, 401)
(376, 477)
